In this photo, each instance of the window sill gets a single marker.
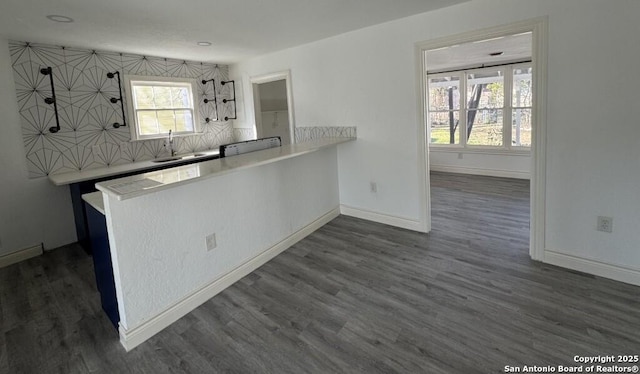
(480, 150)
(166, 136)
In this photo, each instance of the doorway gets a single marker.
(471, 85)
(273, 107)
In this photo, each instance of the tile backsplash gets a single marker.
(304, 134)
(243, 134)
(87, 138)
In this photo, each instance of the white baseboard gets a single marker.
(481, 171)
(386, 219)
(618, 273)
(21, 255)
(134, 337)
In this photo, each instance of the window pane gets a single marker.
(485, 89)
(441, 123)
(184, 121)
(144, 97)
(521, 129)
(522, 93)
(166, 121)
(162, 97)
(162, 106)
(148, 123)
(444, 93)
(180, 97)
(485, 127)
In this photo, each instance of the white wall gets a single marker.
(367, 78)
(158, 240)
(481, 163)
(594, 131)
(273, 96)
(32, 211)
(352, 80)
(276, 124)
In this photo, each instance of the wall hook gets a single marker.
(235, 114)
(114, 100)
(51, 100)
(215, 99)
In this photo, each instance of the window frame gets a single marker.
(460, 110)
(465, 109)
(507, 110)
(513, 108)
(131, 80)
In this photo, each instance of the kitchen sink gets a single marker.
(161, 160)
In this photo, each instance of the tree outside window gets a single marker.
(494, 111)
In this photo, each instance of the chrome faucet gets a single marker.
(169, 142)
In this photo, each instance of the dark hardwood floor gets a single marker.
(353, 297)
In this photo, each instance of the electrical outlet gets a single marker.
(95, 149)
(373, 187)
(124, 146)
(460, 156)
(605, 224)
(211, 242)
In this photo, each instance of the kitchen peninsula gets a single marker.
(179, 236)
(84, 181)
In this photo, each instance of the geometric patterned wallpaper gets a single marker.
(243, 134)
(87, 139)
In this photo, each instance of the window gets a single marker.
(522, 106)
(488, 107)
(159, 104)
(485, 107)
(444, 109)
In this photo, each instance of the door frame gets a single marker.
(266, 78)
(539, 29)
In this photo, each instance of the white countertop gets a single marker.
(95, 200)
(142, 184)
(90, 174)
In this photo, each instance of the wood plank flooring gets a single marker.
(353, 297)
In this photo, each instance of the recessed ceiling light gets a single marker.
(204, 44)
(59, 18)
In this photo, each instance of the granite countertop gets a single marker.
(142, 184)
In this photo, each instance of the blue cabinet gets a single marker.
(97, 232)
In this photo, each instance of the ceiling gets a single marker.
(514, 48)
(236, 29)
